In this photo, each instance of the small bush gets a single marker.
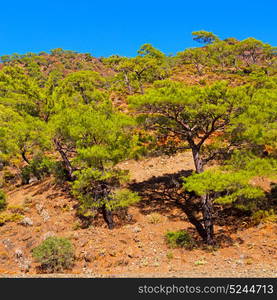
(200, 262)
(8, 217)
(154, 218)
(59, 171)
(16, 209)
(169, 255)
(55, 254)
(3, 202)
(179, 238)
(264, 216)
(9, 177)
(40, 166)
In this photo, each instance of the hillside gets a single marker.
(152, 165)
(126, 251)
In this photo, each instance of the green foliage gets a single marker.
(6, 217)
(54, 254)
(252, 50)
(3, 202)
(179, 238)
(196, 56)
(204, 37)
(233, 185)
(264, 216)
(200, 262)
(100, 138)
(20, 135)
(134, 73)
(233, 182)
(60, 104)
(192, 114)
(16, 209)
(39, 167)
(58, 170)
(96, 189)
(169, 255)
(258, 122)
(80, 87)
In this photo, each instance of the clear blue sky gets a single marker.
(103, 28)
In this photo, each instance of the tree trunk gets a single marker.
(198, 163)
(66, 161)
(193, 220)
(108, 217)
(207, 213)
(23, 154)
(141, 88)
(207, 210)
(127, 82)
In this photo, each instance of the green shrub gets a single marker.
(16, 209)
(264, 216)
(3, 202)
(59, 171)
(10, 217)
(169, 255)
(55, 254)
(40, 166)
(180, 238)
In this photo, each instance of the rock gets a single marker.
(27, 222)
(112, 253)
(137, 229)
(8, 244)
(129, 217)
(24, 265)
(44, 214)
(88, 257)
(18, 253)
(39, 207)
(33, 180)
(130, 252)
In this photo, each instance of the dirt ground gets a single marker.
(136, 247)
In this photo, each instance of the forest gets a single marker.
(72, 125)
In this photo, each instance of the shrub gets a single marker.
(8, 217)
(154, 218)
(59, 171)
(54, 254)
(180, 238)
(8, 176)
(3, 202)
(40, 166)
(264, 216)
(20, 209)
(200, 262)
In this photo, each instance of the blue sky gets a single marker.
(103, 28)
